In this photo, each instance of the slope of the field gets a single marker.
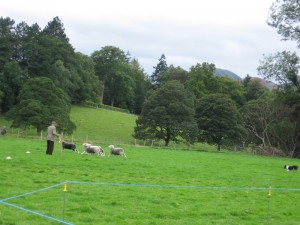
(102, 125)
(95, 125)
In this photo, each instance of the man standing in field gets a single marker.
(51, 133)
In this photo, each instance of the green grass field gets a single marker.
(181, 185)
(150, 186)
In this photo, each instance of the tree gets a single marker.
(168, 114)
(201, 79)
(112, 68)
(55, 28)
(86, 86)
(258, 116)
(253, 89)
(160, 68)
(142, 85)
(267, 119)
(39, 103)
(284, 15)
(39, 50)
(230, 87)
(218, 119)
(173, 73)
(284, 68)
(28, 46)
(11, 81)
(7, 40)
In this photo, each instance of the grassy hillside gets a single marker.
(99, 126)
(150, 186)
(102, 125)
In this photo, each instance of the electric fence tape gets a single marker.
(3, 201)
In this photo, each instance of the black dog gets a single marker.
(67, 145)
(290, 167)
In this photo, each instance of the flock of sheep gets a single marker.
(93, 149)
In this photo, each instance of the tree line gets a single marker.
(41, 76)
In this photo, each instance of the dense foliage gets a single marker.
(168, 114)
(40, 101)
(108, 76)
(284, 67)
(218, 120)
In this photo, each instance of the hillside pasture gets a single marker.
(150, 186)
(95, 125)
(99, 126)
(102, 125)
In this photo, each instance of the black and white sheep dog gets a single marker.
(92, 149)
(3, 130)
(68, 145)
(116, 151)
(294, 167)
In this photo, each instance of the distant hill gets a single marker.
(226, 73)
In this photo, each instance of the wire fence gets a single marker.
(99, 140)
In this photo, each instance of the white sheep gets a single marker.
(116, 151)
(91, 149)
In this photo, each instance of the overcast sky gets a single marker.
(232, 34)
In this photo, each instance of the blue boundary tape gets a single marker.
(32, 192)
(36, 213)
(3, 201)
(184, 187)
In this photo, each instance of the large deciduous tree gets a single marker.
(39, 103)
(168, 114)
(86, 86)
(230, 87)
(284, 68)
(267, 119)
(112, 68)
(218, 119)
(259, 115)
(201, 79)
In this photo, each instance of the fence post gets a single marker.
(61, 138)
